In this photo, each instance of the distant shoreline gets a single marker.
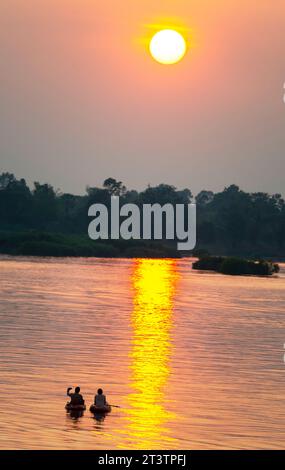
(58, 245)
(42, 221)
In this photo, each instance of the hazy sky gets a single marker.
(81, 99)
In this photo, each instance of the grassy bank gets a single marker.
(34, 243)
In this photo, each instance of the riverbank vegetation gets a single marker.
(232, 222)
(34, 243)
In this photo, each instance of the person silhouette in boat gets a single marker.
(75, 398)
(100, 399)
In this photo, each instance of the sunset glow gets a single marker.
(154, 288)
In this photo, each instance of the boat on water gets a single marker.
(100, 409)
(70, 407)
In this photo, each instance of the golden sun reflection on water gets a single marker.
(153, 284)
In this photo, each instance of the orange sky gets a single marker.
(82, 100)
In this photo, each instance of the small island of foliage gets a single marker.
(236, 266)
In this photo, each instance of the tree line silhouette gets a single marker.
(228, 222)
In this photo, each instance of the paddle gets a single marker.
(115, 406)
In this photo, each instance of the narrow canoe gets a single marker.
(100, 409)
(70, 407)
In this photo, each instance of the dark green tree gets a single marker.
(114, 187)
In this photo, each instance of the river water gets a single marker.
(194, 360)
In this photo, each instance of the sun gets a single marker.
(168, 46)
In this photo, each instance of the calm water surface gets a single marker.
(194, 360)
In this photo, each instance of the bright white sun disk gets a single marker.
(168, 46)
